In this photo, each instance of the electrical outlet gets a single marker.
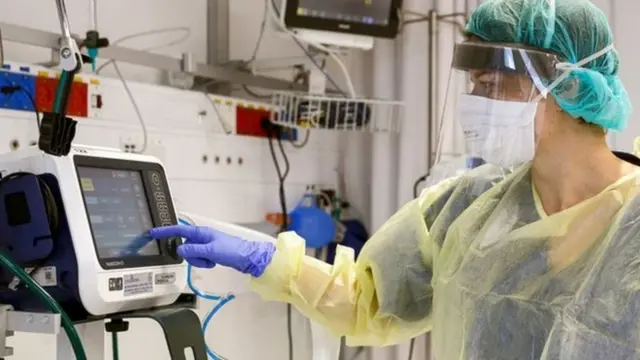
(214, 159)
(130, 148)
(78, 98)
(127, 144)
(249, 122)
(14, 144)
(96, 99)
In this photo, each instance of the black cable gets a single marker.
(310, 56)
(290, 330)
(12, 89)
(285, 222)
(303, 143)
(358, 352)
(255, 94)
(412, 345)
(420, 180)
(282, 176)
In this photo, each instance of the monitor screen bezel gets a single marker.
(145, 169)
(293, 20)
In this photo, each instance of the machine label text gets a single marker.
(136, 284)
(45, 276)
(166, 278)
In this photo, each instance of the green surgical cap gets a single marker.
(573, 30)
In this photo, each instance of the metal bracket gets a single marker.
(20, 321)
(50, 40)
(4, 331)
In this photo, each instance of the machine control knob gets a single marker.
(172, 247)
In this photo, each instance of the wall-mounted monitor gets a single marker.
(361, 18)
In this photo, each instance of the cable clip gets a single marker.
(56, 134)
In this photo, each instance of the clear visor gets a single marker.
(494, 101)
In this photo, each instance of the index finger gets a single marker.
(164, 232)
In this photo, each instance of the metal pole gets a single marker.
(218, 49)
(93, 14)
(432, 103)
(50, 40)
(1, 49)
(64, 21)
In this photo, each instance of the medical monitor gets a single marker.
(123, 200)
(102, 262)
(371, 18)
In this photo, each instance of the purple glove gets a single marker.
(206, 247)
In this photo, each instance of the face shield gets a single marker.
(495, 99)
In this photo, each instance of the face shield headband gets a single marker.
(497, 116)
(545, 70)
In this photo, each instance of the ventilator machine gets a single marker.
(77, 223)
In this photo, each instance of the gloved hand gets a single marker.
(205, 247)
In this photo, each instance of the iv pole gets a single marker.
(57, 131)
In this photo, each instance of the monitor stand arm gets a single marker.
(181, 328)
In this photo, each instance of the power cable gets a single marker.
(254, 94)
(417, 183)
(252, 60)
(307, 53)
(303, 143)
(222, 300)
(412, 346)
(304, 49)
(223, 122)
(11, 89)
(358, 352)
(282, 176)
(184, 29)
(145, 134)
(134, 103)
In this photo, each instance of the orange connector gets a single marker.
(274, 218)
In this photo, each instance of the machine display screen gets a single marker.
(374, 12)
(119, 213)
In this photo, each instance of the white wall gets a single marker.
(620, 14)
(248, 328)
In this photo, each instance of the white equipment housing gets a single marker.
(108, 285)
(335, 39)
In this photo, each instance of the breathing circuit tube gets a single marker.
(222, 301)
(37, 290)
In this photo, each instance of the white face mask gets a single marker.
(500, 132)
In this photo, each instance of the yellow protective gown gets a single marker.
(477, 260)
